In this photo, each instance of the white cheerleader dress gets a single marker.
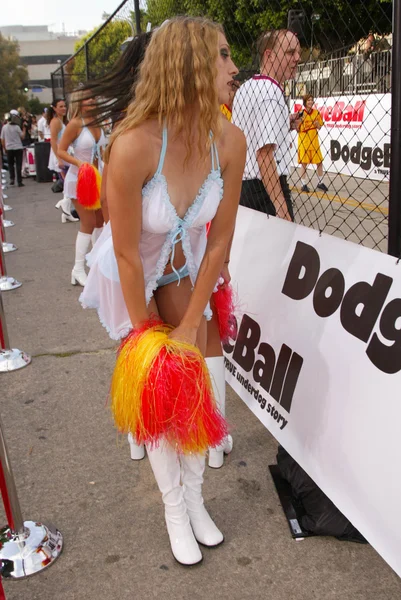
(162, 229)
(85, 149)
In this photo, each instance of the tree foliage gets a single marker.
(35, 106)
(103, 51)
(340, 23)
(328, 25)
(13, 76)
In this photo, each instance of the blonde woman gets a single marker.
(88, 143)
(116, 91)
(174, 164)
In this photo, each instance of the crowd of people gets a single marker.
(188, 146)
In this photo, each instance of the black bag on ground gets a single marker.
(58, 186)
(317, 513)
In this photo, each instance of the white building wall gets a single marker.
(36, 43)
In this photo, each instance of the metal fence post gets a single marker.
(53, 85)
(62, 80)
(6, 283)
(87, 72)
(137, 16)
(6, 246)
(4, 196)
(394, 212)
(26, 547)
(11, 359)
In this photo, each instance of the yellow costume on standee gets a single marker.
(308, 139)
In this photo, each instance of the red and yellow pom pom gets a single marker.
(88, 186)
(223, 301)
(161, 389)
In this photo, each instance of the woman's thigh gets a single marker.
(172, 302)
(87, 217)
(99, 220)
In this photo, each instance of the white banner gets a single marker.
(355, 138)
(317, 358)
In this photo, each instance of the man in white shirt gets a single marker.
(43, 128)
(261, 111)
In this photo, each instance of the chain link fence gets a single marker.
(341, 142)
(97, 52)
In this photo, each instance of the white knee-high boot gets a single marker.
(82, 246)
(206, 532)
(96, 234)
(166, 469)
(137, 450)
(216, 368)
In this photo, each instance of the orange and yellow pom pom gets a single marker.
(161, 389)
(88, 186)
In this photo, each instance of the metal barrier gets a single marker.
(10, 358)
(351, 74)
(27, 547)
(6, 283)
(7, 247)
(6, 207)
(3, 207)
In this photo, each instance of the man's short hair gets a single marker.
(268, 41)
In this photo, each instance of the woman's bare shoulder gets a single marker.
(232, 142)
(134, 149)
(75, 123)
(136, 140)
(55, 124)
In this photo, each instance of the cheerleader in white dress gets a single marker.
(56, 121)
(175, 165)
(113, 93)
(56, 118)
(88, 143)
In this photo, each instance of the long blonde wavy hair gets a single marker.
(75, 104)
(177, 76)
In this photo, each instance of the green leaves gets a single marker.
(102, 52)
(341, 22)
(13, 76)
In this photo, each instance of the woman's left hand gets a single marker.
(185, 334)
(225, 274)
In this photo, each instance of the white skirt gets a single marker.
(102, 289)
(70, 182)
(53, 162)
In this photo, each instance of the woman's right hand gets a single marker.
(186, 334)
